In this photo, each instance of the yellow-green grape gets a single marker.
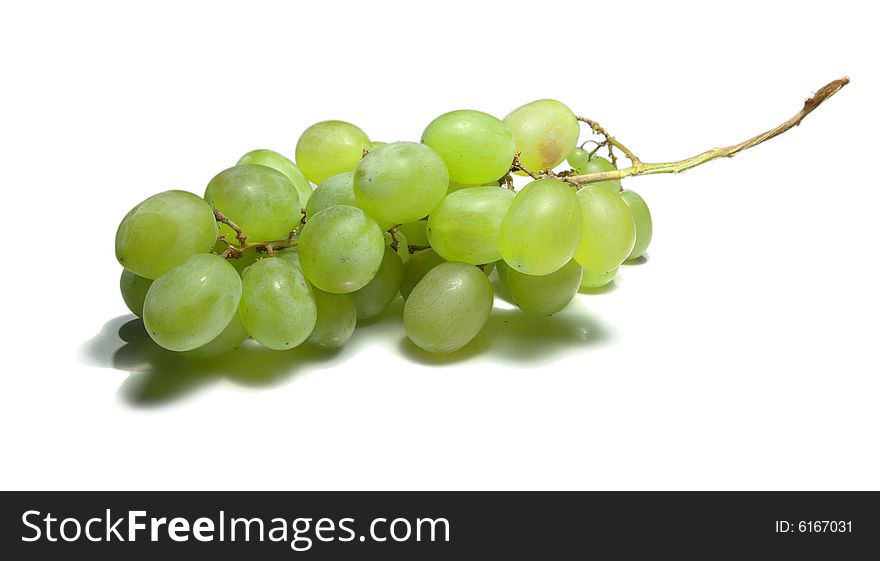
(545, 131)
(465, 226)
(402, 250)
(448, 307)
(259, 199)
(542, 228)
(377, 144)
(228, 340)
(598, 164)
(277, 307)
(400, 182)
(190, 305)
(291, 255)
(248, 258)
(337, 190)
(592, 280)
(642, 217)
(416, 232)
(340, 249)
(134, 291)
(328, 148)
(476, 146)
(372, 299)
(544, 295)
(578, 160)
(453, 186)
(416, 268)
(337, 318)
(278, 162)
(608, 231)
(163, 232)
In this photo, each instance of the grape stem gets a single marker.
(234, 252)
(641, 168)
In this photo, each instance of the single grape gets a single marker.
(592, 280)
(377, 144)
(465, 226)
(578, 159)
(229, 339)
(372, 299)
(400, 182)
(544, 295)
(278, 162)
(328, 148)
(291, 255)
(453, 186)
(545, 131)
(134, 291)
(190, 305)
(340, 249)
(259, 199)
(337, 190)
(608, 231)
(542, 228)
(642, 217)
(277, 307)
(163, 232)
(416, 232)
(598, 164)
(337, 318)
(476, 146)
(416, 268)
(448, 307)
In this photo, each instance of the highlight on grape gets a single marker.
(297, 253)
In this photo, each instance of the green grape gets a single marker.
(290, 255)
(542, 228)
(340, 249)
(400, 182)
(402, 250)
(277, 307)
(598, 164)
(608, 231)
(163, 232)
(545, 131)
(190, 305)
(416, 268)
(328, 148)
(337, 318)
(278, 162)
(597, 280)
(642, 217)
(377, 144)
(134, 291)
(544, 295)
(338, 190)
(476, 146)
(229, 339)
(578, 160)
(248, 258)
(259, 199)
(372, 299)
(489, 267)
(465, 226)
(416, 232)
(453, 186)
(448, 307)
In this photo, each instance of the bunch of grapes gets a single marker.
(265, 255)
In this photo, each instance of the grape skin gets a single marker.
(448, 307)
(337, 190)
(279, 163)
(277, 307)
(476, 146)
(465, 226)
(229, 339)
(329, 148)
(598, 164)
(337, 318)
(340, 249)
(546, 294)
(608, 231)
(545, 132)
(644, 226)
(134, 291)
(400, 182)
(542, 228)
(416, 268)
(193, 303)
(163, 231)
(259, 199)
(372, 299)
(593, 280)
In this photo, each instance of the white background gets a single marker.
(742, 355)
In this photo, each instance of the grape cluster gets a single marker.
(265, 255)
